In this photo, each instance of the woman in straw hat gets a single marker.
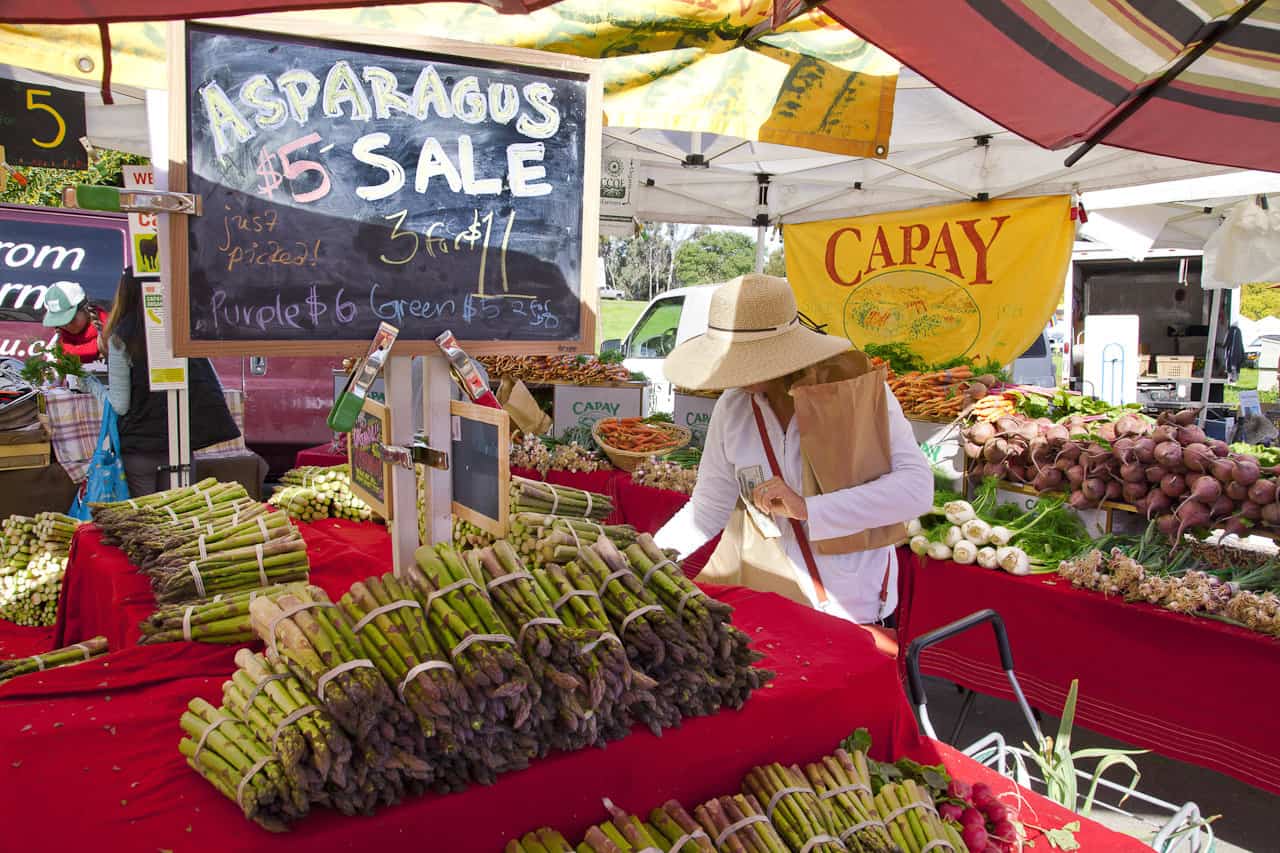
(754, 346)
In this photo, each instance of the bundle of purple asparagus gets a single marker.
(486, 657)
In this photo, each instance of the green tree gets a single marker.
(44, 186)
(1258, 300)
(777, 263)
(714, 256)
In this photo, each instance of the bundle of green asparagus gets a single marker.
(314, 638)
(573, 684)
(29, 594)
(486, 657)
(669, 829)
(467, 535)
(48, 660)
(802, 819)
(548, 499)
(265, 550)
(221, 619)
(142, 526)
(300, 503)
(843, 782)
(19, 541)
(912, 821)
(628, 695)
(555, 539)
(53, 531)
(331, 488)
(313, 751)
(739, 824)
(390, 624)
(539, 841)
(230, 756)
(707, 620)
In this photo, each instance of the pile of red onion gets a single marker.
(1170, 471)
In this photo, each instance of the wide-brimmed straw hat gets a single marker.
(753, 334)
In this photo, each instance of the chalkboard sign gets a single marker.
(381, 177)
(370, 474)
(480, 465)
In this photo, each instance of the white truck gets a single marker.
(669, 319)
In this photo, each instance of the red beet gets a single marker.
(1154, 473)
(1263, 492)
(1197, 457)
(1134, 492)
(1164, 433)
(1222, 507)
(1114, 490)
(1133, 472)
(1237, 492)
(1173, 485)
(1220, 448)
(1223, 470)
(1169, 454)
(1145, 450)
(1247, 471)
(1191, 435)
(981, 432)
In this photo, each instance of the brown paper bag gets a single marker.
(744, 557)
(843, 416)
(526, 415)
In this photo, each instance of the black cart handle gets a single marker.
(915, 684)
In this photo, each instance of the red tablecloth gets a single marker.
(97, 741)
(321, 455)
(1193, 689)
(17, 641)
(102, 592)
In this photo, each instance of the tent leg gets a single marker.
(762, 238)
(1214, 311)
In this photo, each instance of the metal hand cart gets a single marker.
(1184, 832)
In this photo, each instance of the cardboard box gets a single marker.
(1174, 366)
(694, 411)
(578, 407)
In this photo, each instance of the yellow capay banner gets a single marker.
(978, 279)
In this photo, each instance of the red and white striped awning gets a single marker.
(1059, 72)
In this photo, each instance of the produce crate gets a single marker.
(1174, 366)
(16, 456)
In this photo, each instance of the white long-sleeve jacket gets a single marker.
(853, 581)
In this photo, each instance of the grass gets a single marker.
(617, 316)
(1248, 381)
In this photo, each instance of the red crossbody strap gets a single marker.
(802, 538)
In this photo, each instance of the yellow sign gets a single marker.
(672, 64)
(978, 279)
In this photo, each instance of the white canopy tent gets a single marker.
(940, 152)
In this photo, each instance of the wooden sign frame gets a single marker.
(381, 507)
(297, 27)
(501, 420)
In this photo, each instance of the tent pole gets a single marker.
(1214, 311)
(762, 237)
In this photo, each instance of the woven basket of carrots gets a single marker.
(629, 441)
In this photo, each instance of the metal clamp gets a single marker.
(417, 453)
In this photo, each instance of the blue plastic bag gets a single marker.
(105, 481)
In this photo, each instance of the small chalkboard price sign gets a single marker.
(480, 465)
(368, 177)
(370, 473)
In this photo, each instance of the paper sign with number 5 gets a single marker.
(297, 168)
(62, 125)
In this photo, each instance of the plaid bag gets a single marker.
(105, 481)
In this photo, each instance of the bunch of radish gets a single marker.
(1169, 470)
(985, 823)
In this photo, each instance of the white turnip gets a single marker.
(987, 558)
(958, 512)
(976, 531)
(1013, 560)
(952, 536)
(938, 551)
(964, 552)
(919, 545)
(914, 527)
